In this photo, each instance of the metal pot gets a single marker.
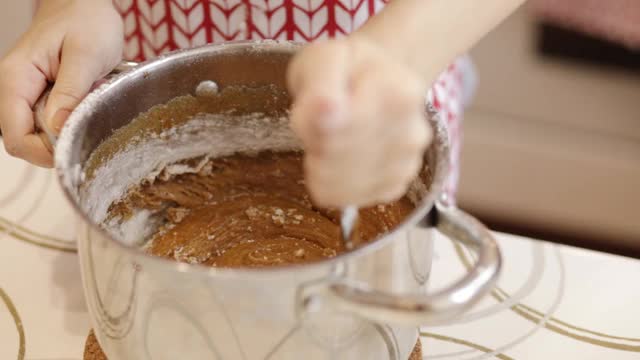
(365, 304)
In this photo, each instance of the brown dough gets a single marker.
(92, 350)
(416, 354)
(248, 211)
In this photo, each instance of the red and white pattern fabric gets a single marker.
(153, 27)
(449, 95)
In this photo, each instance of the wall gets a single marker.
(552, 145)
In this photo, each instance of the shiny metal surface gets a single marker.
(443, 305)
(348, 221)
(362, 305)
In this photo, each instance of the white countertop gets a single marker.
(589, 299)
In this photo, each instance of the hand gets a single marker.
(360, 114)
(71, 42)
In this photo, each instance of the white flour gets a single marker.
(209, 135)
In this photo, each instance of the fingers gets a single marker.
(406, 135)
(17, 131)
(20, 86)
(79, 69)
(319, 79)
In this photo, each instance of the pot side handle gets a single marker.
(436, 308)
(48, 136)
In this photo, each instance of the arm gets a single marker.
(437, 30)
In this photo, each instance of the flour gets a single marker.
(206, 135)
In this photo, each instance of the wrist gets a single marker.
(374, 45)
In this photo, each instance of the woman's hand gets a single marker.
(71, 42)
(360, 114)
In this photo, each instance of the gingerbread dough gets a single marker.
(247, 211)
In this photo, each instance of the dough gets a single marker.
(247, 211)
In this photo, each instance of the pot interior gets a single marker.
(151, 121)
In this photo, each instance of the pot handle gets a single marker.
(430, 309)
(49, 137)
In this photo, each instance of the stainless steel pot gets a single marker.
(366, 304)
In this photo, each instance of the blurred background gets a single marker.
(552, 140)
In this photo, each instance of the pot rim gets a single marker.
(68, 172)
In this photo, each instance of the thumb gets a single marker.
(319, 81)
(78, 70)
